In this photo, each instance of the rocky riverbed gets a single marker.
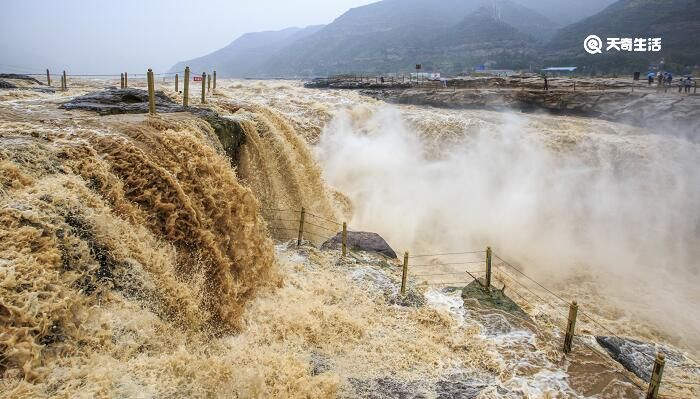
(615, 100)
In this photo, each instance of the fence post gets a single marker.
(151, 93)
(405, 273)
(570, 327)
(126, 80)
(209, 84)
(301, 227)
(214, 85)
(345, 238)
(488, 268)
(186, 94)
(121, 80)
(574, 86)
(695, 87)
(48, 77)
(177, 78)
(204, 87)
(657, 372)
(65, 81)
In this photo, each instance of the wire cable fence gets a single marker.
(301, 225)
(443, 268)
(556, 298)
(175, 80)
(446, 268)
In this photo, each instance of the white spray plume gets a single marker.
(624, 208)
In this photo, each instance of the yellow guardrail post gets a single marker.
(405, 273)
(570, 327)
(488, 268)
(186, 94)
(656, 373)
(301, 226)
(151, 92)
(204, 87)
(345, 238)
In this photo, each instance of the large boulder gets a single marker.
(638, 356)
(16, 76)
(114, 101)
(15, 81)
(361, 241)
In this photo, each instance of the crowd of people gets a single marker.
(665, 79)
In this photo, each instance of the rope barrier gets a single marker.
(438, 274)
(307, 213)
(320, 227)
(531, 279)
(512, 278)
(447, 264)
(625, 376)
(323, 218)
(681, 382)
(284, 220)
(446, 254)
(503, 262)
(100, 75)
(281, 228)
(449, 283)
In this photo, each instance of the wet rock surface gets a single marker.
(638, 356)
(113, 101)
(13, 81)
(356, 85)
(361, 241)
(412, 298)
(493, 298)
(455, 386)
(387, 388)
(612, 99)
(461, 386)
(320, 364)
(6, 85)
(19, 77)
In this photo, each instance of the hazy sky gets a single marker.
(101, 36)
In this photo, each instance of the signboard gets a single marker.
(197, 78)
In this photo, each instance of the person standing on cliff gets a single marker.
(546, 83)
(688, 84)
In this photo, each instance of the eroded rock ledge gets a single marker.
(113, 101)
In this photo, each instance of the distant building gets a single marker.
(559, 70)
(496, 72)
(426, 75)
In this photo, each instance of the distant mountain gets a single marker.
(453, 36)
(392, 35)
(676, 22)
(249, 54)
(565, 12)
